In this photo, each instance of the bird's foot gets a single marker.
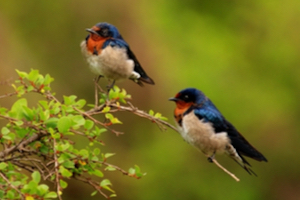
(111, 86)
(97, 87)
(211, 158)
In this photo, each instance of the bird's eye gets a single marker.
(104, 32)
(186, 97)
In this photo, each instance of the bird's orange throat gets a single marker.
(181, 108)
(94, 44)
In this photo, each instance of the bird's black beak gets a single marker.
(173, 99)
(92, 31)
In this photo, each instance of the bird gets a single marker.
(203, 126)
(110, 56)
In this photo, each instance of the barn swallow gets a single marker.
(203, 126)
(110, 56)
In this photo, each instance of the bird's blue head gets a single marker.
(190, 95)
(105, 30)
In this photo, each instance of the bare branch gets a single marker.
(8, 95)
(223, 168)
(11, 185)
(92, 183)
(56, 166)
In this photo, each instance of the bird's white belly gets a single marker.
(201, 135)
(112, 62)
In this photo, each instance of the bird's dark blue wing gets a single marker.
(241, 145)
(138, 68)
(211, 114)
(118, 42)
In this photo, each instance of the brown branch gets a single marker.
(161, 123)
(116, 167)
(92, 183)
(11, 185)
(143, 114)
(223, 168)
(56, 166)
(86, 114)
(23, 166)
(8, 95)
(20, 146)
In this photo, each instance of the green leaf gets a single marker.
(33, 75)
(64, 172)
(40, 80)
(5, 130)
(30, 88)
(110, 168)
(69, 100)
(36, 176)
(44, 115)
(84, 153)
(51, 195)
(94, 193)
(98, 131)
(80, 103)
(62, 147)
(107, 155)
(22, 74)
(78, 120)
(10, 194)
(105, 182)
(48, 79)
(9, 136)
(17, 108)
(27, 113)
(98, 173)
(106, 109)
(136, 171)
(88, 124)
(63, 124)
(113, 119)
(68, 164)
(151, 112)
(63, 184)
(42, 189)
(96, 151)
(51, 122)
(44, 104)
(3, 165)
(3, 111)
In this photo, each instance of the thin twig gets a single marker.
(20, 145)
(8, 95)
(224, 169)
(116, 167)
(97, 122)
(11, 185)
(144, 115)
(92, 183)
(56, 166)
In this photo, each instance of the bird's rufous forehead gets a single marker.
(177, 95)
(96, 28)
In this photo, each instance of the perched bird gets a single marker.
(202, 125)
(110, 56)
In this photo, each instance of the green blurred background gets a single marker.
(244, 55)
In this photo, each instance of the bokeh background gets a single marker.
(244, 55)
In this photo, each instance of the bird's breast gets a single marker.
(202, 135)
(95, 46)
(112, 62)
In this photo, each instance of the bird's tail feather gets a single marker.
(230, 150)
